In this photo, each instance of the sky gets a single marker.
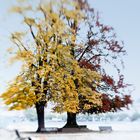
(122, 15)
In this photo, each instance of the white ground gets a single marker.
(89, 136)
(121, 131)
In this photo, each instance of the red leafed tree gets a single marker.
(97, 48)
(103, 53)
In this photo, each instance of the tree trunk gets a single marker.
(40, 117)
(71, 121)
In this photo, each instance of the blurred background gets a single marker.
(124, 17)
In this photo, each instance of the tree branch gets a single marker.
(83, 53)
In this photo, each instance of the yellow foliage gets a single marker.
(87, 107)
(29, 21)
(50, 71)
(10, 50)
(20, 9)
(18, 35)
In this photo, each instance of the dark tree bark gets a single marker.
(71, 121)
(40, 117)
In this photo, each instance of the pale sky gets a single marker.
(123, 15)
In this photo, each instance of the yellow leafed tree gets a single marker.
(50, 71)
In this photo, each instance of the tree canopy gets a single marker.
(50, 70)
(65, 51)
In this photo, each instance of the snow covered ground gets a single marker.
(125, 125)
(121, 131)
(89, 136)
(116, 126)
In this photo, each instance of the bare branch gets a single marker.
(83, 53)
(17, 45)
(33, 35)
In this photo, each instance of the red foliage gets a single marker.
(106, 106)
(114, 46)
(120, 83)
(118, 103)
(108, 80)
(115, 103)
(93, 42)
(85, 64)
(102, 46)
(106, 29)
(127, 99)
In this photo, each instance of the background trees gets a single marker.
(65, 53)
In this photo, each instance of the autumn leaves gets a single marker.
(57, 67)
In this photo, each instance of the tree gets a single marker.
(50, 71)
(101, 50)
(62, 68)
